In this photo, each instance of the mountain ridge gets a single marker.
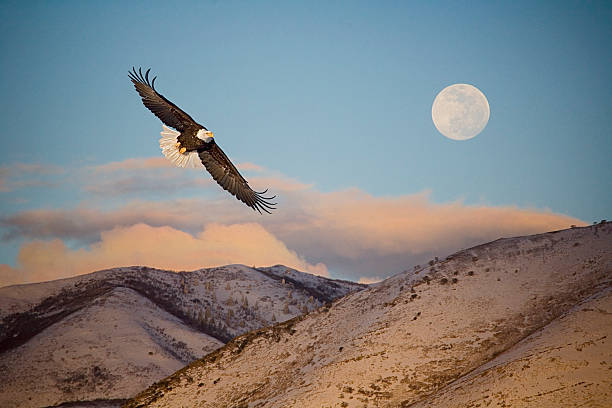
(107, 334)
(379, 347)
(68, 298)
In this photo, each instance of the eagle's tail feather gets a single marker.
(167, 143)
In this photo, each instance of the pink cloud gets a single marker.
(250, 167)
(4, 173)
(145, 175)
(279, 184)
(10, 275)
(161, 247)
(133, 164)
(363, 235)
(85, 223)
(354, 221)
(38, 168)
(351, 232)
(159, 183)
(356, 234)
(158, 175)
(23, 175)
(145, 163)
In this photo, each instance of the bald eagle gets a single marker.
(192, 145)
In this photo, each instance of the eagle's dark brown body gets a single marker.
(190, 141)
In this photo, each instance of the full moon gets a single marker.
(460, 111)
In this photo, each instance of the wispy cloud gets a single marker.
(133, 164)
(134, 184)
(247, 166)
(4, 174)
(25, 175)
(145, 163)
(86, 224)
(37, 168)
(280, 183)
(141, 175)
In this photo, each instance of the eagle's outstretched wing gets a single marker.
(161, 107)
(228, 177)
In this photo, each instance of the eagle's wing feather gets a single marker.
(228, 177)
(161, 107)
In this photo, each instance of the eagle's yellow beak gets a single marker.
(211, 134)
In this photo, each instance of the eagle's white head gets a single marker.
(205, 135)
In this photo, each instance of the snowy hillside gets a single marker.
(565, 364)
(109, 334)
(517, 322)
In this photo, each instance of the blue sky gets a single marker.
(336, 95)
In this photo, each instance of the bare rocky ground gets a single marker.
(518, 322)
(97, 339)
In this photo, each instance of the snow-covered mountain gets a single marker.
(518, 322)
(103, 337)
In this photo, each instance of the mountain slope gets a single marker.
(565, 360)
(120, 342)
(401, 341)
(106, 335)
